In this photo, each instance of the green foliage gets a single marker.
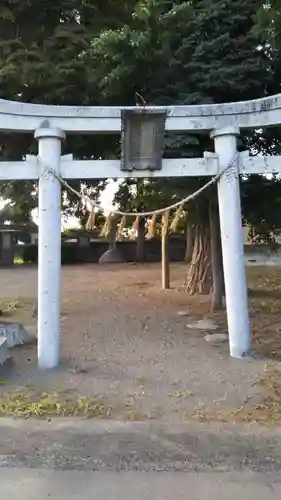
(171, 52)
(195, 51)
(269, 18)
(184, 53)
(43, 59)
(44, 43)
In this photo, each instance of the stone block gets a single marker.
(14, 333)
(216, 338)
(204, 324)
(183, 313)
(4, 351)
(111, 257)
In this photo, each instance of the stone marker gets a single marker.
(203, 324)
(216, 338)
(111, 257)
(14, 333)
(4, 354)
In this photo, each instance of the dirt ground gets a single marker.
(124, 344)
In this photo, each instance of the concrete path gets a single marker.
(110, 446)
(71, 459)
(28, 484)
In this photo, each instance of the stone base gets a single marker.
(216, 338)
(14, 333)
(111, 257)
(4, 354)
(203, 324)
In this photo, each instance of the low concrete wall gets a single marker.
(258, 255)
(261, 255)
(7, 246)
(127, 249)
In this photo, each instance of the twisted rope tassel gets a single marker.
(135, 227)
(91, 222)
(152, 227)
(105, 230)
(121, 227)
(176, 219)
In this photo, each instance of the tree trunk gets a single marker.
(216, 256)
(140, 250)
(199, 278)
(189, 241)
(112, 232)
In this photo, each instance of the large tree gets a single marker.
(198, 51)
(43, 47)
(171, 52)
(261, 194)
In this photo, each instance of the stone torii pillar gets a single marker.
(49, 245)
(232, 240)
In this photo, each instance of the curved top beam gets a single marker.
(25, 117)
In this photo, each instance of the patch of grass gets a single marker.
(140, 284)
(11, 305)
(23, 404)
(31, 404)
(270, 409)
(268, 412)
(17, 309)
(140, 382)
(180, 394)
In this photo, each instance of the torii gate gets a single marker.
(51, 123)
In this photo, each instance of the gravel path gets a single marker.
(67, 444)
(71, 459)
(123, 342)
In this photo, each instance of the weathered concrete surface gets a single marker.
(28, 484)
(68, 459)
(216, 338)
(255, 113)
(259, 259)
(203, 324)
(15, 333)
(111, 257)
(4, 354)
(144, 447)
